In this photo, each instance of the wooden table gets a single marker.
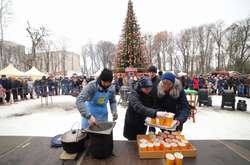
(36, 150)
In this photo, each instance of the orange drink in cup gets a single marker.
(150, 147)
(169, 159)
(162, 120)
(143, 147)
(169, 119)
(178, 158)
(153, 120)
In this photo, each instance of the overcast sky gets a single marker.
(80, 21)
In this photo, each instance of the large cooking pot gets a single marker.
(73, 141)
(101, 139)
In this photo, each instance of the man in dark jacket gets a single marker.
(6, 83)
(155, 80)
(152, 70)
(172, 98)
(139, 107)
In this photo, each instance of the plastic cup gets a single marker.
(169, 119)
(143, 147)
(170, 159)
(162, 120)
(178, 158)
(153, 120)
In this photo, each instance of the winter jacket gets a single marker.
(155, 82)
(88, 93)
(175, 101)
(139, 107)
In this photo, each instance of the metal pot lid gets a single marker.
(73, 136)
(101, 128)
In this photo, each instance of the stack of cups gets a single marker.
(174, 159)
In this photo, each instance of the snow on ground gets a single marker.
(57, 118)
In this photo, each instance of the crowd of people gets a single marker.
(216, 84)
(13, 89)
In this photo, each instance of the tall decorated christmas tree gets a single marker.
(130, 53)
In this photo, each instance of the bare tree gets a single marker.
(205, 41)
(5, 16)
(91, 61)
(156, 50)
(184, 45)
(84, 55)
(238, 44)
(106, 52)
(194, 47)
(218, 32)
(46, 47)
(95, 61)
(243, 36)
(63, 44)
(161, 40)
(148, 39)
(36, 36)
(171, 49)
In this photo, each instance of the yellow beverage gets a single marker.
(162, 120)
(169, 120)
(150, 147)
(143, 147)
(169, 159)
(153, 120)
(178, 158)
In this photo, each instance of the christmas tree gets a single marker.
(130, 51)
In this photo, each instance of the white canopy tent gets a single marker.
(10, 70)
(34, 73)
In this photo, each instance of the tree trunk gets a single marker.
(159, 61)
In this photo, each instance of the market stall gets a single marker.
(10, 70)
(34, 73)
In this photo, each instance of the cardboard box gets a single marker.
(161, 153)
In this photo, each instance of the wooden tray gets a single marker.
(161, 154)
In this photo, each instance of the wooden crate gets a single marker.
(161, 154)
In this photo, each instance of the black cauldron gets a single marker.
(73, 141)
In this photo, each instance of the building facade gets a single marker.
(12, 53)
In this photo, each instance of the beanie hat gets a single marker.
(168, 76)
(145, 82)
(106, 75)
(152, 69)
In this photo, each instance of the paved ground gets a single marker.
(30, 118)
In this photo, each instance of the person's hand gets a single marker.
(161, 114)
(177, 122)
(115, 116)
(92, 120)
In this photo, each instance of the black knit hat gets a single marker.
(106, 75)
(145, 82)
(152, 69)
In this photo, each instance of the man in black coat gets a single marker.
(6, 83)
(139, 107)
(152, 70)
(155, 80)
